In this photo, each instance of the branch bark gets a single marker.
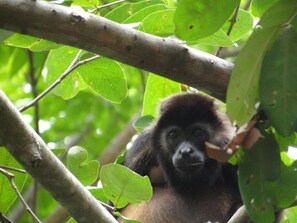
(164, 56)
(31, 152)
(240, 215)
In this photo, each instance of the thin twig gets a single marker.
(33, 83)
(4, 219)
(71, 67)
(14, 187)
(106, 5)
(107, 207)
(12, 168)
(33, 80)
(232, 21)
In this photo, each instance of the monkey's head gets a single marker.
(186, 122)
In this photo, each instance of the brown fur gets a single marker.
(177, 198)
(167, 206)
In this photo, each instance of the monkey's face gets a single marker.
(185, 147)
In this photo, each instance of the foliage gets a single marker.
(93, 103)
(7, 199)
(122, 186)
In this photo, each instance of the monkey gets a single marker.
(188, 186)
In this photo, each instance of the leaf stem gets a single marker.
(10, 177)
(232, 21)
(106, 5)
(75, 64)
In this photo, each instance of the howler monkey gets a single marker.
(188, 187)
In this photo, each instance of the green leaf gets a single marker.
(71, 220)
(243, 89)
(159, 23)
(219, 38)
(43, 45)
(120, 158)
(290, 215)
(106, 78)
(13, 60)
(197, 19)
(294, 23)
(125, 11)
(244, 23)
(123, 186)
(57, 63)
(98, 193)
(141, 14)
(285, 141)
(278, 91)
(157, 88)
(83, 3)
(20, 40)
(7, 193)
(260, 164)
(58, 151)
(30, 42)
(283, 191)
(260, 6)
(4, 34)
(143, 122)
(85, 171)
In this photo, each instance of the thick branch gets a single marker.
(163, 56)
(30, 151)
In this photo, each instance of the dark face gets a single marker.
(186, 122)
(185, 147)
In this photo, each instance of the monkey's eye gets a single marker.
(199, 134)
(173, 135)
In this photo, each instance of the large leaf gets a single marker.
(282, 192)
(141, 14)
(122, 186)
(243, 89)
(143, 122)
(57, 63)
(106, 78)
(98, 193)
(159, 23)
(20, 40)
(4, 34)
(260, 6)
(85, 171)
(198, 19)
(260, 164)
(278, 91)
(30, 42)
(219, 38)
(7, 193)
(157, 88)
(123, 12)
(244, 23)
(13, 60)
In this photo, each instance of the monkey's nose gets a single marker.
(186, 152)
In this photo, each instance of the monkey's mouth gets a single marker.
(189, 167)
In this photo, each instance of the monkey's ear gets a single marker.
(167, 104)
(163, 106)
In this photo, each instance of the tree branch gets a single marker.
(164, 56)
(31, 152)
(240, 216)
